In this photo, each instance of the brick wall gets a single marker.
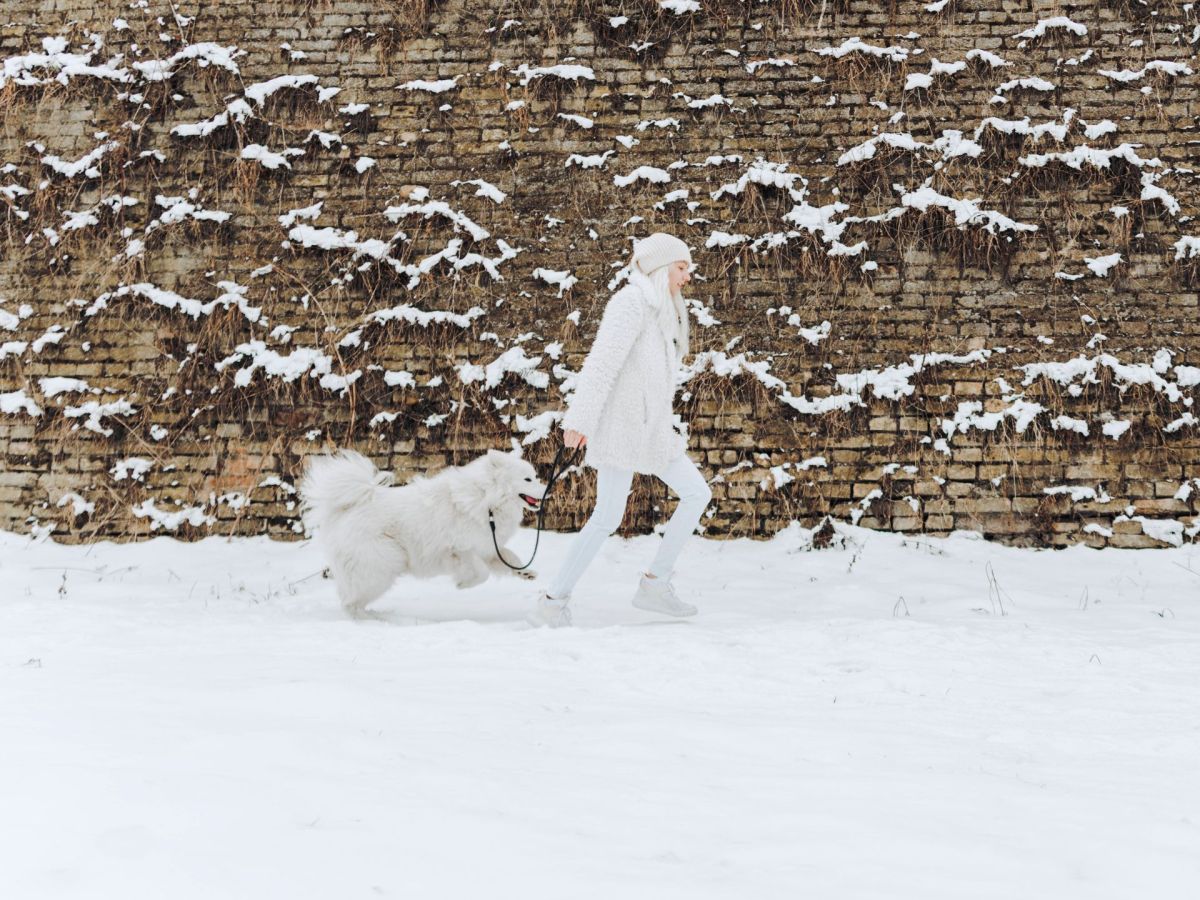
(954, 199)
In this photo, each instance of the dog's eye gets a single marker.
(529, 479)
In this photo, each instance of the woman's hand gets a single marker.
(573, 438)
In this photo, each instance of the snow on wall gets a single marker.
(943, 279)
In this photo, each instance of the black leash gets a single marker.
(555, 472)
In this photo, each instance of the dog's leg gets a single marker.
(499, 568)
(358, 586)
(469, 571)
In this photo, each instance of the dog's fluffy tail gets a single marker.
(335, 483)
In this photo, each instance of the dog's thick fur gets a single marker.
(433, 525)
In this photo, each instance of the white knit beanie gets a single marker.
(659, 249)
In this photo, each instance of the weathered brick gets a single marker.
(938, 288)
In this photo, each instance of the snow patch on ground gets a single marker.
(869, 720)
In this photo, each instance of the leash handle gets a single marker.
(555, 473)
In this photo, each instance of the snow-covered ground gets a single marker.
(200, 721)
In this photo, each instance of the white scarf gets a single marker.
(672, 318)
(678, 316)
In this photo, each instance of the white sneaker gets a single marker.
(551, 612)
(658, 595)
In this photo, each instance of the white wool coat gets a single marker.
(624, 393)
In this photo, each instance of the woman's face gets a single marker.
(678, 274)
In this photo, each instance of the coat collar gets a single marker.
(642, 283)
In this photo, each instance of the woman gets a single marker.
(621, 413)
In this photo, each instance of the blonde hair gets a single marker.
(673, 312)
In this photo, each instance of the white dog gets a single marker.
(433, 525)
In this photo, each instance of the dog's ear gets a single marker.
(496, 457)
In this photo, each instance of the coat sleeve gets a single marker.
(619, 328)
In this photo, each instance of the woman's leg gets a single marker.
(612, 489)
(685, 480)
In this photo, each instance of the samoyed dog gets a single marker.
(434, 525)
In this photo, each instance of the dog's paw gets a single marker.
(528, 574)
(471, 581)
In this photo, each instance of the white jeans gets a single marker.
(612, 490)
